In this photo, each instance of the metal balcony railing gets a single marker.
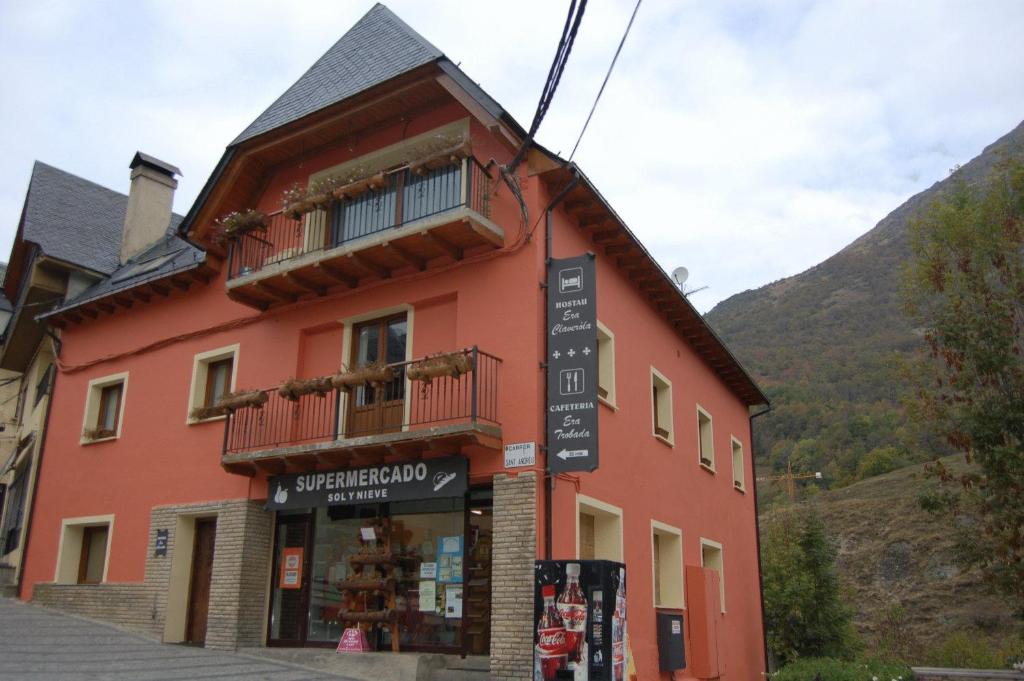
(399, 405)
(404, 198)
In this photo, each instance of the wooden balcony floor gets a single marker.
(363, 451)
(410, 247)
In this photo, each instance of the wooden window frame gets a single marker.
(211, 375)
(69, 548)
(601, 511)
(96, 408)
(101, 418)
(710, 543)
(659, 530)
(201, 387)
(85, 553)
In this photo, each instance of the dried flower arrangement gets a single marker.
(237, 223)
(93, 434)
(203, 413)
(441, 158)
(452, 364)
(371, 373)
(239, 400)
(293, 388)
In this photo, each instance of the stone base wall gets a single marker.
(512, 575)
(132, 606)
(238, 592)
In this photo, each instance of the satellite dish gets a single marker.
(680, 274)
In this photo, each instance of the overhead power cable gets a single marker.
(606, 76)
(565, 43)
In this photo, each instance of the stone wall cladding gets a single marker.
(238, 592)
(513, 555)
(131, 606)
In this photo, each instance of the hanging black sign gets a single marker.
(427, 479)
(572, 365)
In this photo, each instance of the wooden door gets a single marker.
(199, 588)
(378, 408)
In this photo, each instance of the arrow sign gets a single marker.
(572, 454)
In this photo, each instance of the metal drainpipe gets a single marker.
(757, 530)
(549, 484)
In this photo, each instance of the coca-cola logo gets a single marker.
(575, 617)
(551, 640)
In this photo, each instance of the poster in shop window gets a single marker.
(572, 365)
(291, 568)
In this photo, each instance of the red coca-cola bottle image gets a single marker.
(572, 606)
(550, 654)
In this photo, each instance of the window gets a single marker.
(667, 559)
(94, 555)
(711, 557)
(43, 385)
(605, 364)
(705, 441)
(13, 515)
(599, 530)
(738, 478)
(104, 408)
(661, 406)
(213, 376)
(84, 551)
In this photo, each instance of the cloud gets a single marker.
(746, 140)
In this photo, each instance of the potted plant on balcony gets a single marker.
(452, 364)
(239, 400)
(377, 373)
(440, 158)
(293, 388)
(296, 202)
(237, 223)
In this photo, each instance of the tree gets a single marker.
(964, 287)
(805, 614)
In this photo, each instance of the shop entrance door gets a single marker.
(378, 408)
(289, 581)
(199, 587)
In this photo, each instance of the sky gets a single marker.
(746, 141)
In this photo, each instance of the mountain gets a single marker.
(825, 344)
(908, 588)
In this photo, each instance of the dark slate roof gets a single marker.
(73, 219)
(169, 255)
(378, 48)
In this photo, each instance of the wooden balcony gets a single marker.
(409, 223)
(367, 424)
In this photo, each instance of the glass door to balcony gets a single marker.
(378, 408)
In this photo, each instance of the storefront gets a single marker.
(402, 551)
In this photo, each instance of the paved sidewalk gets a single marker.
(37, 644)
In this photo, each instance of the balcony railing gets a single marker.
(399, 405)
(405, 198)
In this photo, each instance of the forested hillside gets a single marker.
(826, 345)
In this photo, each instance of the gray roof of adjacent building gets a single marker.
(379, 47)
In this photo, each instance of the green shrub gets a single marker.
(974, 650)
(830, 669)
(878, 461)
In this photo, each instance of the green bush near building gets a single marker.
(831, 669)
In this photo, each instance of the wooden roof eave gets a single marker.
(626, 251)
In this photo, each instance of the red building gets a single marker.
(373, 229)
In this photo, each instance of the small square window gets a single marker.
(738, 477)
(661, 406)
(705, 440)
(213, 377)
(605, 364)
(104, 408)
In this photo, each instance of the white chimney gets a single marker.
(149, 204)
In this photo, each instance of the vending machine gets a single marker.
(579, 617)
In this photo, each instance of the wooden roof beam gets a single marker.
(139, 294)
(302, 282)
(274, 292)
(621, 249)
(405, 256)
(246, 299)
(442, 244)
(123, 301)
(336, 274)
(370, 266)
(181, 284)
(606, 235)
